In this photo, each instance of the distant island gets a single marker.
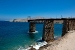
(19, 20)
(24, 20)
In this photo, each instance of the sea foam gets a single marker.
(36, 46)
(33, 32)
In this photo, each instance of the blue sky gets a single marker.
(11, 9)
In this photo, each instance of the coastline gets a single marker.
(67, 42)
(40, 43)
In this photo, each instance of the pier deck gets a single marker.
(48, 28)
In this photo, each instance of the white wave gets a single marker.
(39, 44)
(36, 46)
(33, 32)
(20, 48)
(55, 36)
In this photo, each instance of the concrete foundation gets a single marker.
(31, 27)
(48, 34)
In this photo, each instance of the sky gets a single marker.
(14, 9)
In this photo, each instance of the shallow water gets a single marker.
(15, 35)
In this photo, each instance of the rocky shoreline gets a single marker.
(40, 44)
(67, 42)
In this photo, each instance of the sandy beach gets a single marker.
(67, 42)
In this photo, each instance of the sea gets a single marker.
(14, 35)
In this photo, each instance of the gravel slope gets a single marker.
(67, 42)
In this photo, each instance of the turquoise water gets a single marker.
(15, 35)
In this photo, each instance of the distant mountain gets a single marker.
(25, 20)
(19, 20)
